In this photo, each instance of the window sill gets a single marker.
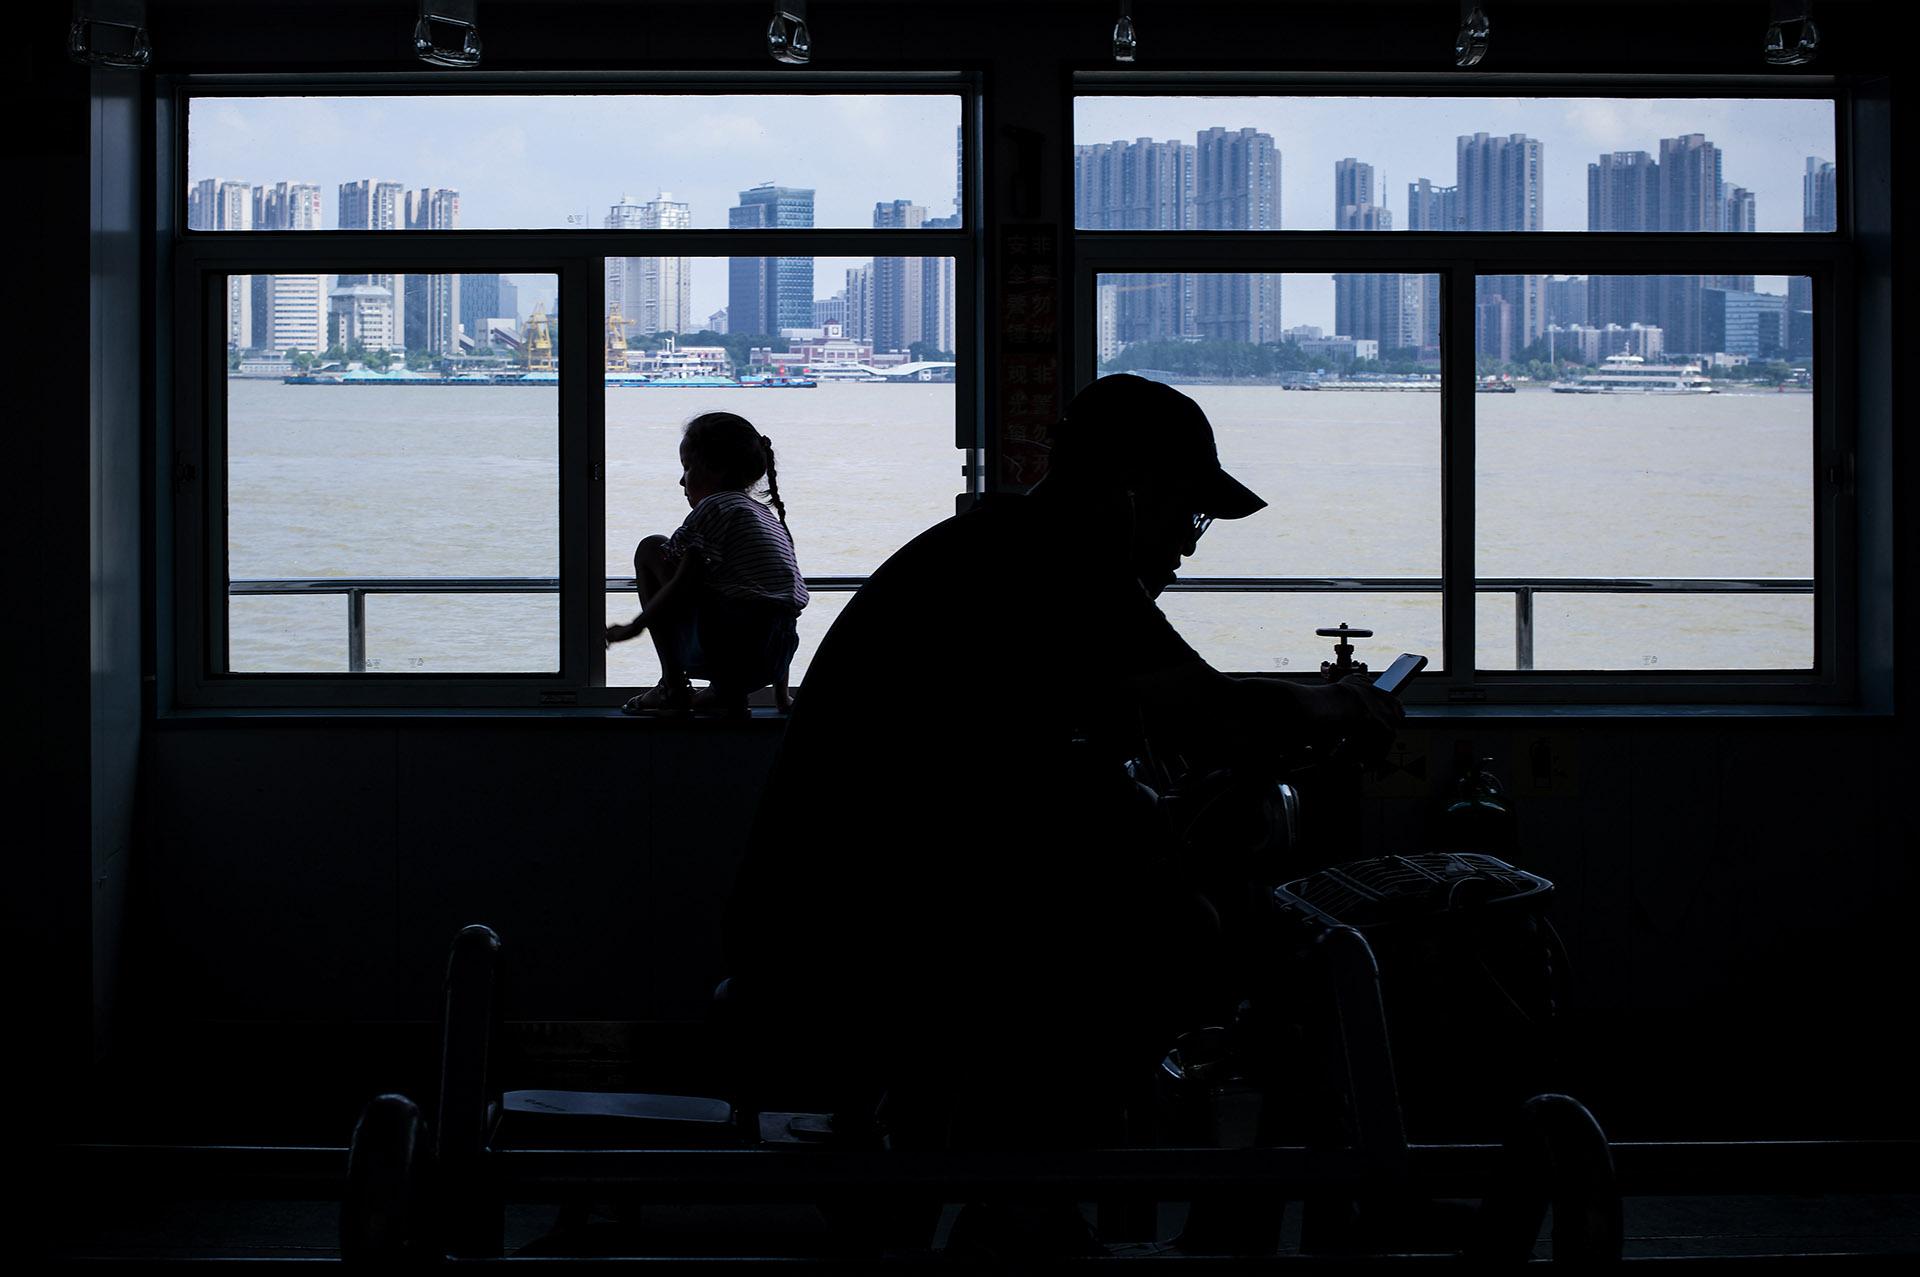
(1421, 714)
(765, 720)
(759, 720)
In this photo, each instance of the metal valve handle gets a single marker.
(1342, 663)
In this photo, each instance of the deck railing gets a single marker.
(1524, 590)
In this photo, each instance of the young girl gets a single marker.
(722, 593)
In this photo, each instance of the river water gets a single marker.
(379, 481)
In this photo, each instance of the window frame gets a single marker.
(191, 345)
(1828, 259)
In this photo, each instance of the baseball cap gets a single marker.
(1158, 438)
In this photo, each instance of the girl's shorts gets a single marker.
(733, 642)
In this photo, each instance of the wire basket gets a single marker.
(1402, 889)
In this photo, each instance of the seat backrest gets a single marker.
(1358, 1051)
(469, 1034)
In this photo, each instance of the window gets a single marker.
(379, 512)
(863, 449)
(436, 396)
(1567, 426)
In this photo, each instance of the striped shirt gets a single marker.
(744, 548)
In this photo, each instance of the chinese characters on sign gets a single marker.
(1029, 349)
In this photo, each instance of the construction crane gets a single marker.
(539, 344)
(616, 340)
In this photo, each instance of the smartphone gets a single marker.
(1396, 675)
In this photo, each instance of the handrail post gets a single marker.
(356, 631)
(1523, 628)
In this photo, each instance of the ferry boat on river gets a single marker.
(1625, 374)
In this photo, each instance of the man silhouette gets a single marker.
(953, 888)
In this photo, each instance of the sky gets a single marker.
(537, 162)
(555, 161)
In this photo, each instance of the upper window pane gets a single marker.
(1453, 163)
(628, 161)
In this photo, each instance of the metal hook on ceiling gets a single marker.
(1470, 45)
(788, 39)
(1125, 44)
(122, 23)
(1807, 41)
(461, 15)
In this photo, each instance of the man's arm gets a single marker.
(1256, 721)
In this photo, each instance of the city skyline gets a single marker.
(325, 143)
(1406, 139)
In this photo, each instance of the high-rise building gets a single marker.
(1352, 187)
(1799, 333)
(859, 290)
(623, 273)
(1593, 345)
(374, 205)
(362, 314)
(766, 294)
(1692, 198)
(1692, 192)
(830, 310)
(1682, 190)
(1819, 196)
(717, 321)
(939, 304)
(1819, 213)
(479, 302)
(1493, 327)
(1623, 194)
(1567, 300)
(214, 204)
(1431, 208)
(1141, 185)
(1388, 309)
(284, 206)
(1502, 187)
(653, 294)
(1740, 214)
(287, 206)
(433, 301)
(1739, 322)
(1237, 188)
(1106, 321)
(897, 281)
(299, 317)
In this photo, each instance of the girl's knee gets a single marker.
(651, 550)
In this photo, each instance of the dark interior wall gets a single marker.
(74, 520)
(1732, 893)
(1731, 889)
(116, 373)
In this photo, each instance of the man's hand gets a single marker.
(1369, 717)
(621, 631)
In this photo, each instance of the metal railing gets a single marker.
(1523, 589)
